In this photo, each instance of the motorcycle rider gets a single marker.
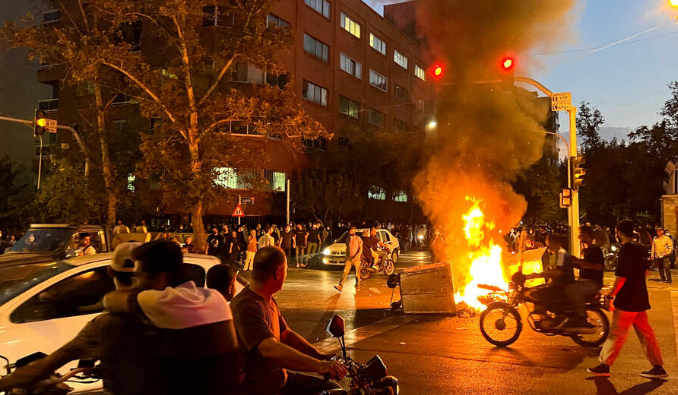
(121, 342)
(591, 269)
(370, 244)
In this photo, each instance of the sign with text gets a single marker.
(561, 101)
(51, 125)
(238, 212)
(247, 200)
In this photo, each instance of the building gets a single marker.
(348, 67)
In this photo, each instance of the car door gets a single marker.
(386, 239)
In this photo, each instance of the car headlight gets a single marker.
(327, 251)
(421, 237)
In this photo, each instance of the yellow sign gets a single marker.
(561, 101)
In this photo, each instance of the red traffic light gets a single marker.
(507, 63)
(437, 70)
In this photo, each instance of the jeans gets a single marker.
(249, 260)
(300, 254)
(619, 332)
(580, 292)
(311, 250)
(305, 384)
(348, 264)
(664, 268)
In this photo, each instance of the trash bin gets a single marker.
(427, 289)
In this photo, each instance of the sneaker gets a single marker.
(656, 372)
(601, 370)
(338, 288)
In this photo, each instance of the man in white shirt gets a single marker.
(662, 247)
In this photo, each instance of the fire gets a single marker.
(484, 254)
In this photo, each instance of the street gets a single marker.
(448, 355)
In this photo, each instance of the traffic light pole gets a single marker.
(40, 163)
(573, 210)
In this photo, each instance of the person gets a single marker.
(266, 239)
(196, 336)
(123, 343)
(222, 278)
(232, 248)
(189, 246)
(662, 247)
(672, 257)
(213, 242)
(591, 270)
(630, 304)
(314, 240)
(354, 250)
(276, 355)
(300, 240)
(85, 246)
(370, 244)
(286, 242)
(141, 228)
(251, 249)
(120, 228)
(437, 247)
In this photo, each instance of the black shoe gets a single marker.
(579, 322)
(601, 370)
(656, 372)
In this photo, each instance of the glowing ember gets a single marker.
(484, 255)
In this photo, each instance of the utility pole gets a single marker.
(288, 202)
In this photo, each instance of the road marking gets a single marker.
(674, 307)
(331, 345)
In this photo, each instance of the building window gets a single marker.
(154, 181)
(214, 16)
(130, 182)
(376, 193)
(246, 72)
(400, 93)
(121, 100)
(350, 66)
(315, 93)
(419, 103)
(399, 126)
(319, 143)
(321, 6)
(51, 16)
(378, 81)
(226, 177)
(400, 197)
(272, 20)
(344, 142)
(419, 72)
(349, 107)
(316, 48)
(350, 25)
(400, 59)
(277, 80)
(378, 44)
(279, 181)
(376, 118)
(242, 128)
(120, 125)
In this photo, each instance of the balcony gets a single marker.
(48, 73)
(49, 105)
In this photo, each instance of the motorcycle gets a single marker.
(366, 379)
(386, 265)
(56, 384)
(612, 258)
(501, 323)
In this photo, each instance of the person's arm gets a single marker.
(122, 302)
(34, 372)
(287, 357)
(294, 340)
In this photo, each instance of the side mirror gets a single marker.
(336, 326)
(393, 281)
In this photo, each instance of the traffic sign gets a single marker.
(247, 200)
(51, 125)
(561, 101)
(238, 212)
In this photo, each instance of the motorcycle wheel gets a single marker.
(389, 266)
(597, 318)
(394, 256)
(500, 324)
(365, 271)
(611, 263)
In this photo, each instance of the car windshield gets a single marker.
(14, 280)
(43, 240)
(343, 237)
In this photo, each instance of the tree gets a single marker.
(588, 125)
(326, 194)
(14, 195)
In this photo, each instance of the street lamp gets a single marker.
(674, 3)
(432, 125)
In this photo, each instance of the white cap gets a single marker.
(122, 257)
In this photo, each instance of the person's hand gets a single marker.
(332, 368)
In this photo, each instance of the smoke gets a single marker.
(486, 134)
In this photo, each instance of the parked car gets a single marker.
(53, 242)
(45, 305)
(335, 254)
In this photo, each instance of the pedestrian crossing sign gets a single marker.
(238, 212)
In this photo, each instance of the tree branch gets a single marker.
(218, 80)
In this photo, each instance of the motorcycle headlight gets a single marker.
(614, 248)
(388, 382)
(327, 251)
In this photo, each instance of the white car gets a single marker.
(45, 305)
(335, 254)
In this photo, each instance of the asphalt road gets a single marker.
(447, 355)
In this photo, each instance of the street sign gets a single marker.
(51, 125)
(561, 101)
(247, 200)
(238, 212)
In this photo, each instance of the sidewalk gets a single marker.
(443, 355)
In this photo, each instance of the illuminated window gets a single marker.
(419, 72)
(400, 59)
(376, 193)
(226, 177)
(378, 44)
(349, 107)
(350, 25)
(130, 182)
(378, 81)
(400, 197)
(279, 181)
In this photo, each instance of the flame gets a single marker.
(484, 254)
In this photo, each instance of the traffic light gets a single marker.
(437, 71)
(577, 171)
(566, 198)
(507, 66)
(39, 123)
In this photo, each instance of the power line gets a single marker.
(603, 46)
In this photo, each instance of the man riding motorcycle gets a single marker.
(591, 269)
(370, 244)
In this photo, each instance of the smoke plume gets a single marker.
(486, 133)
